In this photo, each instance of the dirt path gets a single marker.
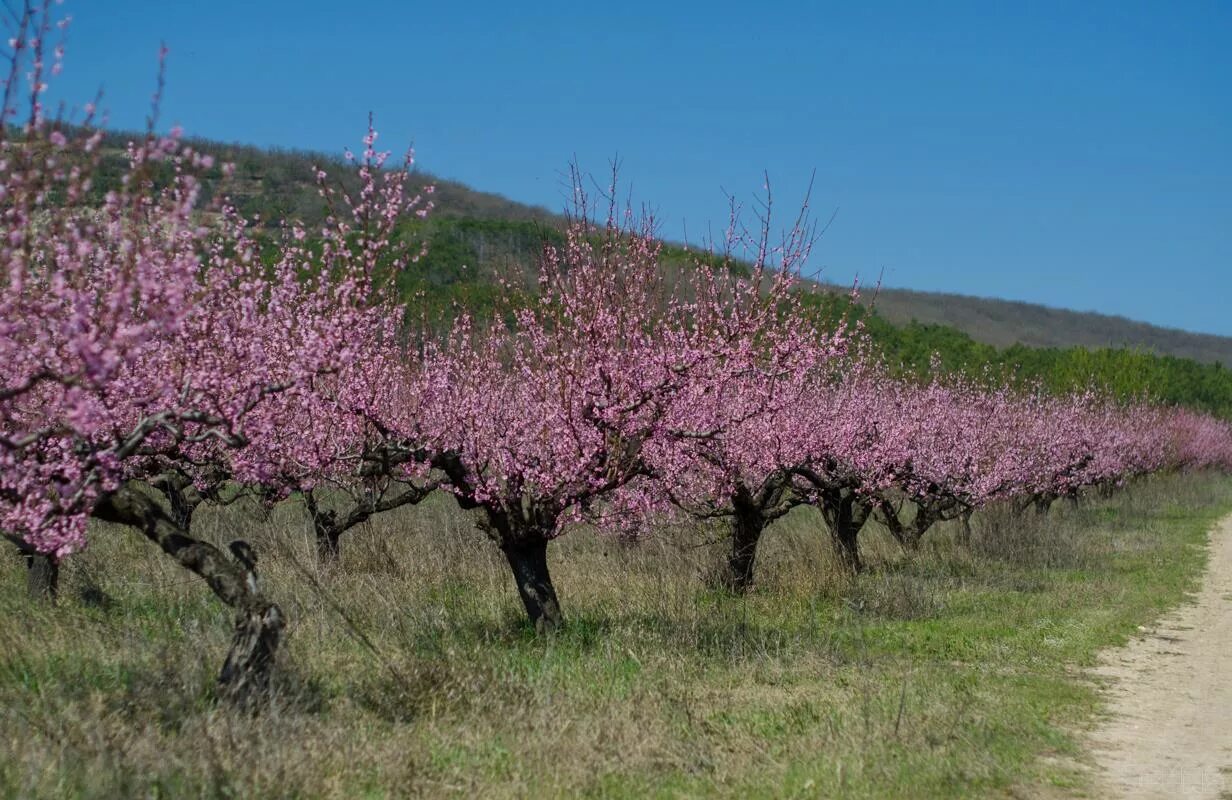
(1170, 734)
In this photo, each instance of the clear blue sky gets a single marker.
(1074, 154)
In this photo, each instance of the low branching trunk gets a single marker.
(42, 571)
(748, 522)
(752, 509)
(1040, 502)
(528, 559)
(183, 498)
(259, 622)
(328, 526)
(845, 536)
(523, 535)
(42, 577)
(328, 548)
(964, 533)
(325, 528)
(845, 513)
(909, 534)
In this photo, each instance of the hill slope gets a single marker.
(1004, 322)
(477, 227)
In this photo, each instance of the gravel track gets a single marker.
(1170, 730)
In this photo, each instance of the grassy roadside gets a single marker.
(951, 674)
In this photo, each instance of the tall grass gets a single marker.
(409, 670)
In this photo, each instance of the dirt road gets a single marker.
(1170, 734)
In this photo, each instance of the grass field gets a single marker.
(408, 670)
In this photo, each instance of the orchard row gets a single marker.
(152, 345)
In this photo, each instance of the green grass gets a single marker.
(954, 673)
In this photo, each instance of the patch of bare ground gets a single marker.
(1169, 734)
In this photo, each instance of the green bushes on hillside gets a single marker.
(915, 348)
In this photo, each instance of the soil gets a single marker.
(1169, 734)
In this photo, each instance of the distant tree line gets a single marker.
(919, 350)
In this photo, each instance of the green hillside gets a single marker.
(473, 236)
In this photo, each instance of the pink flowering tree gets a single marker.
(735, 434)
(1196, 441)
(144, 335)
(854, 449)
(351, 429)
(96, 300)
(541, 417)
(1050, 446)
(953, 459)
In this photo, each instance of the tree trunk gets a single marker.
(328, 534)
(183, 507)
(326, 529)
(964, 534)
(528, 558)
(907, 535)
(328, 549)
(845, 514)
(845, 536)
(42, 577)
(182, 497)
(245, 675)
(747, 527)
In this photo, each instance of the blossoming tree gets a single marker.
(143, 334)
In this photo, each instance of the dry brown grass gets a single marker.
(408, 670)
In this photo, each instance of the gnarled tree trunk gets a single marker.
(907, 534)
(964, 534)
(328, 548)
(927, 514)
(326, 529)
(747, 525)
(528, 559)
(752, 509)
(328, 525)
(259, 621)
(42, 571)
(42, 577)
(523, 537)
(845, 512)
(182, 497)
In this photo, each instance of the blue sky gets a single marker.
(1073, 154)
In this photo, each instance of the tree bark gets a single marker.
(326, 529)
(328, 548)
(528, 559)
(42, 577)
(259, 622)
(329, 526)
(747, 526)
(182, 497)
(521, 539)
(907, 535)
(927, 514)
(964, 535)
(845, 536)
(845, 513)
